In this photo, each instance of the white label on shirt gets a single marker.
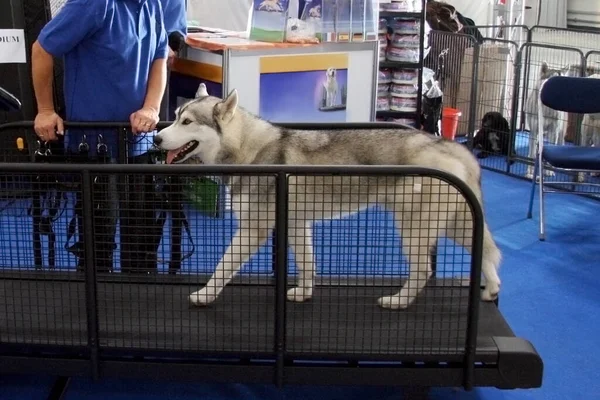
(12, 46)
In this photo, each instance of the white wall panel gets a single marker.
(584, 13)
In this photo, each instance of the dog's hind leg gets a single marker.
(249, 237)
(418, 239)
(461, 231)
(301, 242)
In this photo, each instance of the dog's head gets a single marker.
(331, 72)
(196, 134)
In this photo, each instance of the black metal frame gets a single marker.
(511, 362)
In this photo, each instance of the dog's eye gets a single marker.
(186, 121)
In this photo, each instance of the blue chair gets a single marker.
(572, 95)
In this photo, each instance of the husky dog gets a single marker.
(210, 130)
(554, 121)
(493, 137)
(331, 87)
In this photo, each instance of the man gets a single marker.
(115, 60)
(175, 19)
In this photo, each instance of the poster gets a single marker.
(12, 46)
(304, 88)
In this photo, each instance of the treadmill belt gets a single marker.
(343, 320)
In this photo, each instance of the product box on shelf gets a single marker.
(359, 14)
(269, 20)
(328, 20)
(343, 20)
(312, 15)
(371, 20)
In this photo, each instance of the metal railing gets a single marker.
(98, 345)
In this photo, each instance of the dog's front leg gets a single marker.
(244, 243)
(300, 239)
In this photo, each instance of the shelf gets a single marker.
(388, 64)
(392, 14)
(398, 64)
(394, 114)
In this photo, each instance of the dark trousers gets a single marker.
(133, 202)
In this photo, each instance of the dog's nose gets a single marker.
(157, 140)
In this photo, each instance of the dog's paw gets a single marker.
(529, 174)
(201, 298)
(580, 177)
(393, 302)
(299, 294)
(491, 291)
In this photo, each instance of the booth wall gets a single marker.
(583, 13)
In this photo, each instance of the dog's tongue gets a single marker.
(171, 154)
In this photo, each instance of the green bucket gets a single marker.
(203, 194)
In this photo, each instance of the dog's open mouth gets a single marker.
(179, 154)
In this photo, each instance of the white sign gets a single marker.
(12, 46)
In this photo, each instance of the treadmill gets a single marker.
(104, 325)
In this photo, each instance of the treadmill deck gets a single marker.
(341, 321)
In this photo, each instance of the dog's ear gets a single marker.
(225, 110)
(202, 91)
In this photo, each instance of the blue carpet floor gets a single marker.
(550, 296)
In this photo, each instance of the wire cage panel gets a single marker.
(543, 62)
(494, 101)
(518, 34)
(584, 41)
(452, 57)
(46, 308)
(384, 246)
(128, 296)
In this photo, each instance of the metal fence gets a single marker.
(511, 60)
(103, 294)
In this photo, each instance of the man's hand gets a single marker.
(47, 125)
(144, 120)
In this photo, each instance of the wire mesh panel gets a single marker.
(540, 63)
(370, 264)
(495, 100)
(455, 71)
(146, 310)
(582, 40)
(40, 301)
(513, 33)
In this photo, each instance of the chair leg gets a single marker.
(541, 186)
(532, 195)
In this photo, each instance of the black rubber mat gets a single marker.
(338, 320)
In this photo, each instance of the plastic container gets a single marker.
(450, 117)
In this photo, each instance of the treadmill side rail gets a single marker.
(519, 364)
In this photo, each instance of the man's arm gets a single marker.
(42, 70)
(157, 81)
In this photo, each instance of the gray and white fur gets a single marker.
(210, 130)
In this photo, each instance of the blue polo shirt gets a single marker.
(108, 47)
(175, 16)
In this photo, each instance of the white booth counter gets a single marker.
(281, 82)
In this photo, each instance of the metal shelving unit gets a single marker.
(418, 66)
